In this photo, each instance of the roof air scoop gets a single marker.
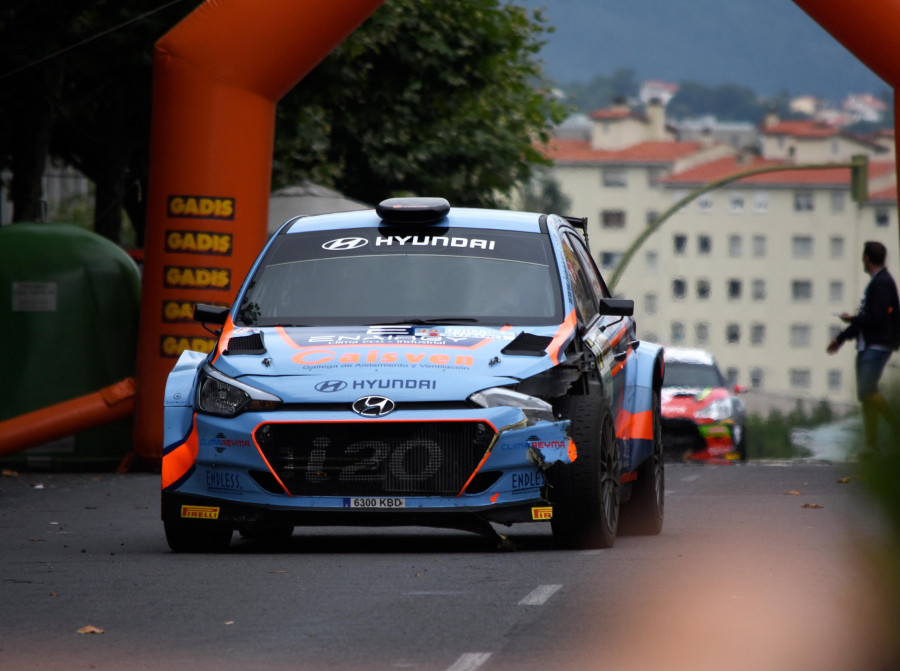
(406, 211)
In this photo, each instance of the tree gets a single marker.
(426, 97)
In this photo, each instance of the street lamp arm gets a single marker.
(857, 163)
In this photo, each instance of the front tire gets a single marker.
(585, 493)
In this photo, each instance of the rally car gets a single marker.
(417, 365)
(702, 419)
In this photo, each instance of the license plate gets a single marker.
(375, 502)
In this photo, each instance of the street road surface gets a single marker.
(759, 567)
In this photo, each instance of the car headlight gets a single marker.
(535, 409)
(218, 394)
(718, 410)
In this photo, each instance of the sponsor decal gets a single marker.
(330, 386)
(434, 241)
(375, 503)
(344, 244)
(183, 277)
(548, 444)
(223, 481)
(174, 345)
(315, 357)
(200, 512)
(199, 242)
(542, 513)
(220, 442)
(394, 384)
(200, 207)
(528, 480)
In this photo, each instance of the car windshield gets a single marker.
(382, 276)
(681, 374)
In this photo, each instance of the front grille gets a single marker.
(681, 436)
(374, 458)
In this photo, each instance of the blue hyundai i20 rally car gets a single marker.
(417, 365)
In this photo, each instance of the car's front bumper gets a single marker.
(683, 438)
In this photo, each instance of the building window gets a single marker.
(882, 217)
(734, 289)
(736, 202)
(800, 335)
(701, 331)
(651, 262)
(838, 202)
(803, 201)
(612, 218)
(836, 247)
(757, 378)
(704, 244)
(802, 246)
(679, 288)
(735, 245)
(680, 243)
(733, 333)
(834, 380)
(761, 202)
(759, 246)
(757, 333)
(758, 290)
(677, 330)
(609, 260)
(614, 177)
(705, 202)
(801, 290)
(836, 291)
(731, 376)
(702, 289)
(650, 303)
(651, 217)
(800, 378)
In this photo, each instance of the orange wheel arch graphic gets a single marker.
(217, 77)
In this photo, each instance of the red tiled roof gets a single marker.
(889, 193)
(810, 129)
(881, 168)
(615, 113)
(719, 169)
(579, 151)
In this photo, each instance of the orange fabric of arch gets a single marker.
(217, 78)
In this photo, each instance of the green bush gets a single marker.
(770, 437)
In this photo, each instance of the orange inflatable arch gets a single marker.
(217, 78)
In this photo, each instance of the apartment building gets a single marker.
(753, 271)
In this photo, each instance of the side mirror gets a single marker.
(210, 314)
(617, 307)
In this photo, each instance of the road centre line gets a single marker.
(470, 661)
(539, 595)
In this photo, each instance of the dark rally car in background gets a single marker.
(417, 364)
(702, 419)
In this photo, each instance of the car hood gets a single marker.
(687, 401)
(405, 362)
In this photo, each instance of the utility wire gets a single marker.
(88, 39)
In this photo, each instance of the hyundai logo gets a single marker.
(329, 386)
(373, 406)
(343, 244)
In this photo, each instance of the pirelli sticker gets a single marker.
(200, 207)
(199, 242)
(171, 346)
(188, 277)
(542, 513)
(200, 512)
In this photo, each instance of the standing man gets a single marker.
(874, 330)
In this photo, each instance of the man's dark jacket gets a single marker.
(879, 314)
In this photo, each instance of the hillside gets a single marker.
(769, 46)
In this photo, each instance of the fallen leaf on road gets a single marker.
(843, 481)
(90, 629)
(793, 492)
(229, 622)
(811, 505)
(9, 473)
